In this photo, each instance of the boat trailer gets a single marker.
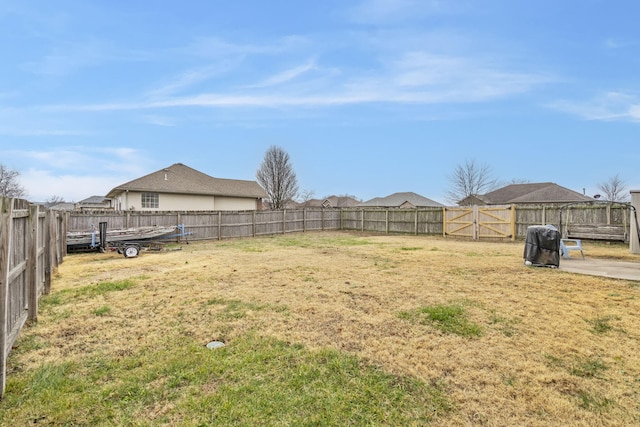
(130, 248)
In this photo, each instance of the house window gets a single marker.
(150, 200)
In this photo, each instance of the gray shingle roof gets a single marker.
(333, 202)
(182, 179)
(399, 199)
(93, 200)
(542, 192)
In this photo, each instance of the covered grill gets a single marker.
(542, 246)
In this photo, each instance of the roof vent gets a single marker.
(165, 177)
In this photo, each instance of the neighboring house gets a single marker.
(332, 202)
(61, 206)
(401, 200)
(96, 203)
(534, 193)
(182, 188)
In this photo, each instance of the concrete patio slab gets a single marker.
(602, 267)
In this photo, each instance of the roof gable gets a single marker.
(182, 179)
(403, 199)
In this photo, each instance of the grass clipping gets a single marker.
(329, 329)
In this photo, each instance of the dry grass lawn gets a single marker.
(552, 348)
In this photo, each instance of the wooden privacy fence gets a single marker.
(32, 244)
(207, 225)
(480, 222)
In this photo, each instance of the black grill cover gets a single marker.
(542, 247)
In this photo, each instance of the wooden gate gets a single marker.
(480, 222)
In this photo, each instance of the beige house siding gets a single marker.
(235, 204)
(132, 200)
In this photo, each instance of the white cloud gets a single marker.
(413, 66)
(634, 112)
(416, 77)
(612, 43)
(189, 78)
(286, 75)
(75, 172)
(60, 159)
(43, 184)
(609, 106)
(159, 120)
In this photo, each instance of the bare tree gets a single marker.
(54, 200)
(515, 181)
(305, 196)
(277, 177)
(350, 196)
(614, 189)
(9, 184)
(469, 179)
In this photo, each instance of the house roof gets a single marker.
(93, 200)
(333, 202)
(542, 192)
(401, 199)
(182, 179)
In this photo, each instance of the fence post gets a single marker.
(513, 221)
(416, 224)
(6, 206)
(444, 222)
(49, 244)
(219, 225)
(476, 226)
(254, 219)
(284, 221)
(32, 262)
(634, 238)
(61, 232)
(386, 221)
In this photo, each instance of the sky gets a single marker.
(367, 97)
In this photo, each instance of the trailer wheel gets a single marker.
(131, 251)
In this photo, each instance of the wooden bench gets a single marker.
(567, 245)
(597, 232)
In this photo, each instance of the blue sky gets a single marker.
(368, 97)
